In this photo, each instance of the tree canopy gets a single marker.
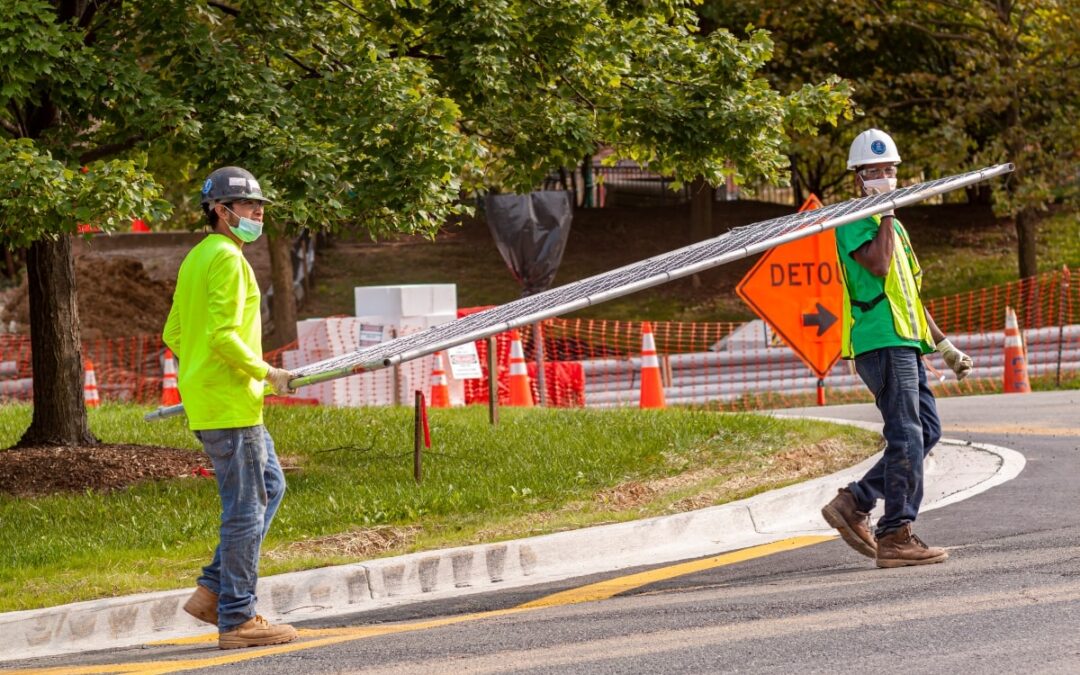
(960, 84)
(373, 116)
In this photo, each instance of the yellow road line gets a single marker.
(606, 589)
(314, 638)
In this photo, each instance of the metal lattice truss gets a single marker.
(736, 244)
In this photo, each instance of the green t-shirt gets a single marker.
(215, 330)
(872, 329)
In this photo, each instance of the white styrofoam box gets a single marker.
(342, 334)
(397, 324)
(292, 359)
(309, 356)
(377, 301)
(311, 334)
(321, 339)
(404, 325)
(439, 319)
(444, 299)
(405, 300)
(380, 320)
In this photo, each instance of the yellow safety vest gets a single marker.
(900, 289)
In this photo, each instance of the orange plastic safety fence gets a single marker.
(744, 367)
(594, 362)
(127, 369)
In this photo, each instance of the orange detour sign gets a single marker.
(796, 289)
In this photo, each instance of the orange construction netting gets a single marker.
(594, 362)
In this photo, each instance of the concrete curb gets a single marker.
(959, 470)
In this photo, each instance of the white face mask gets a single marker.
(878, 186)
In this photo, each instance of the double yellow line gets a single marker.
(321, 637)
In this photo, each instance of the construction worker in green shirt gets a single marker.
(215, 330)
(886, 331)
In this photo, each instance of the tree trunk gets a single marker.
(284, 300)
(59, 410)
(797, 183)
(1026, 223)
(702, 197)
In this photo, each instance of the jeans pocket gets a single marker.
(218, 443)
(871, 370)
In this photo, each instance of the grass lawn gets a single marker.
(351, 494)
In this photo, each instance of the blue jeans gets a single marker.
(897, 379)
(251, 485)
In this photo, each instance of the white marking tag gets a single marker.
(465, 362)
(234, 181)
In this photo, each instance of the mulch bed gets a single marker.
(32, 472)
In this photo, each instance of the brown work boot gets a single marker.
(854, 525)
(202, 605)
(257, 632)
(901, 547)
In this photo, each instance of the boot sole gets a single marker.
(833, 518)
(238, 643)
(902, 562)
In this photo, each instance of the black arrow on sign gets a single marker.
(823, 319)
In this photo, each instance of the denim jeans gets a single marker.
(897, 379)
(251, 485)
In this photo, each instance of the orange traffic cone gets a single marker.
(652, 386)
(812, 202)
(440, 386)
(1016, 376)
(520, 387)
(90, 390)
(170, 395)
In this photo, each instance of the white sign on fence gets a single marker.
(371, 334)
(465, 362)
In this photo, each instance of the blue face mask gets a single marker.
(247, 230)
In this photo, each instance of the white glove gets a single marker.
(279, 380)
(955, 359)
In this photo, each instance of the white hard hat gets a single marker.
(872, 146)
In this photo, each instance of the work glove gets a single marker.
(954, 358)
(279, 380)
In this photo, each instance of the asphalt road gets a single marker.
(1007, 600)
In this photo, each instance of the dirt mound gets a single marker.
(116, 297)
(28, 472)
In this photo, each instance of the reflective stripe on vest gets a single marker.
(902, 285)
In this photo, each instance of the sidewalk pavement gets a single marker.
(955, 471)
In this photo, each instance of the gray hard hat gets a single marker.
(229, 184)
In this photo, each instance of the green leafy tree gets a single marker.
(473, 95)
(68, 101)
(374, 116)
(1014, 95)
(960, 84)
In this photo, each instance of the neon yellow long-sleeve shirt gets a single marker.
(215, 330)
